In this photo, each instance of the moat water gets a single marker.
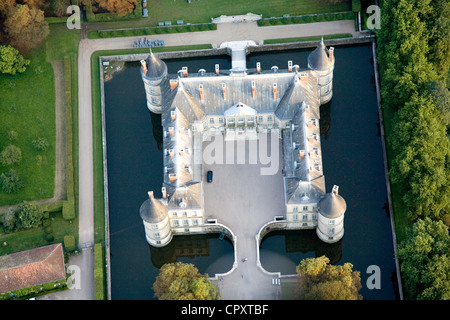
(352, 158)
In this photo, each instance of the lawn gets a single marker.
(201, 11)
(27, 106)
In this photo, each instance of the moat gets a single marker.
(352, 156)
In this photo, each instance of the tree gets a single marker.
(28, 215)
(11, 61)
(26, 27)
(441, 98)
(10, 181)
(10, 155)
(121, 7)
(9, 219)
(425, 261)
(422, 148)
(182, 281)
(40, 144)
(318, 280)
(60, 7)
(6, 6)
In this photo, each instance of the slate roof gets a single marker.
(319, 59)
(32, 267)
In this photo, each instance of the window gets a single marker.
(260, 118)
(295, 209)
(295, 217)
(330, 230)
(185, 222)
(231, 121)
(185, 214)
(154, 100)
(194, 213)
(220, 120)
(211, 120)
(241, 120)
(175, 214)
(154, 226)
(269, 118)
(331, 222)
(157, 235)
(305, 208)
(305, 217)
(250, 119)
(195, 222)
(176, 223)
(314, 216)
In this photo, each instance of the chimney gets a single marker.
(217, 69)
(200, 87)
(335, 190)
(164, 192)
(304, 77)
(275, 91)
(310, 124)
(171, 131)
(144, 67)
(173, 115)
(224, 91)
(150, 195)
(171, 153)
(181, 152)
(173, 84)
(172, 177)
(331, 53)
(290, 66)
(258, 67)
(302, 153)
(184, 71)
(253, 89)
(307, 108)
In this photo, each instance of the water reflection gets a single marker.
(296, 246)
(157, 129)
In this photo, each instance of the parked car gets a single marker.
(209, 176)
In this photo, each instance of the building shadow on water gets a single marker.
(295, 245)
(201, 250)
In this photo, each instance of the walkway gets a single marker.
(225, 32)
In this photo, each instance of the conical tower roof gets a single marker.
(156, 68)
(332, 205)
(153, 210)
(319, 59)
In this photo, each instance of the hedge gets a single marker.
(69, 243)
(99, 279)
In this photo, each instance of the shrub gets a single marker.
(68, 211)
(69, 243)
(10, 181)
(40, 144)
(12, 135)
(9, 219)
(10, 155)
(48, 230)
(28, 215)
(49, 238)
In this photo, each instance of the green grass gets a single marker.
(27, 106)
(312, 38)
(35, 237)
(200, 11)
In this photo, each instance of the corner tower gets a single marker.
(154, 76)
(321, 60)
(155, 216)
(330, 224)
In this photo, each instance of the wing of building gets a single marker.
(241, 103)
